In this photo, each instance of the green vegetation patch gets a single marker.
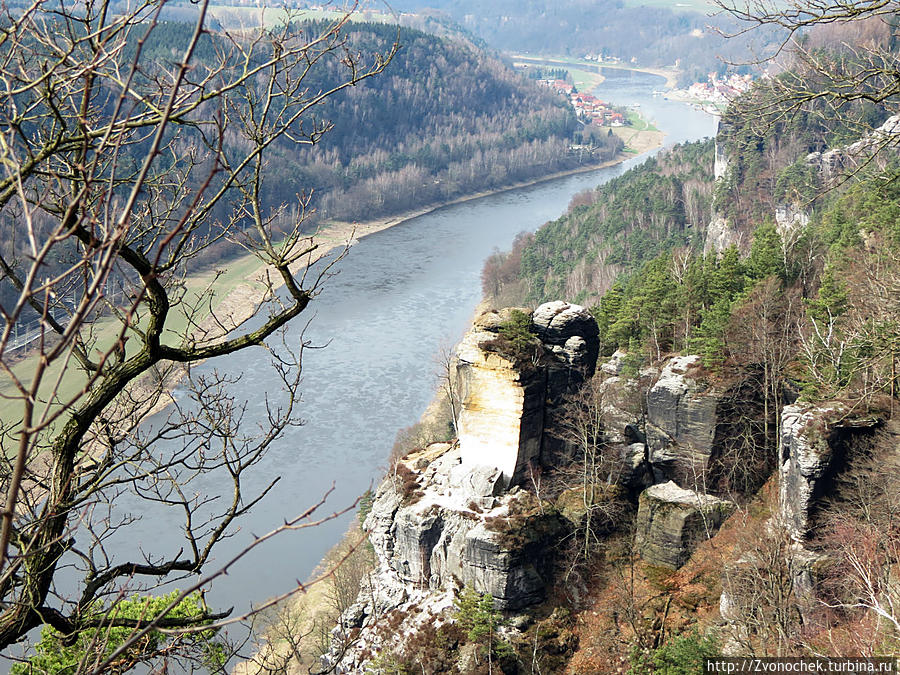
(60, 654)
(624, 223)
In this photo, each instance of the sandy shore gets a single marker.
(670, 74)
(339, 233)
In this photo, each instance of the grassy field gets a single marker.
(638, 141)
(106, 331)
(637, 122)
(232, 290)
(584, 80)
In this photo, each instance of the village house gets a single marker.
(588, 108)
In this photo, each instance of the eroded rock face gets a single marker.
(504, 398)
(806, 456)
(789, 218)
(435, 527)
(622, 428)
(460, 529)
(720, 236)
(570, 332)
(671, 522)
(722, 161)
(835, 162)
(681, 422)
(814, 442)
(502, 417)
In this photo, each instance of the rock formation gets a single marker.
(681, 422)
(451, 515)
(720, 235)
(790, 218)
(833, 163)
(454, 527)
(622, 423)
(504, 395)
(671, 521)
(722, 162)
(815, 440)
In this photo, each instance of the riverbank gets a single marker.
(339, 232)
(404, 314)
(289, 637)
(239, 284)
(669, 74)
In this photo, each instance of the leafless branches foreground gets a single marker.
(834, 57)
(120, 170)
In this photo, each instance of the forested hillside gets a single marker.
(753, 326)
(634, 248)
(651, 35)
(444, 119)
(661, 205)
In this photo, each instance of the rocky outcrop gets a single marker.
(451, 515)
(720, 236)
(835, 162)
(570, 333)
(436, 526)
(443, 524)
(719, 233)
(622, 424)
(815, 443)
(501, 422)
(671, 521)
(722, 162)
(504, 396)
(681, 422)
(789, 218)
(427, 526)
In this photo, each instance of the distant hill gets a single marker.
(652, 33)
(445, 119)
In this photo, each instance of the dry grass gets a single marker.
(653, 604)
(637, 141)
(293, 635)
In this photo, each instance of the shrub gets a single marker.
(365, 505)
(58, 653)
(476, 615)
(515, 339)
(681, 655)
(406, 482)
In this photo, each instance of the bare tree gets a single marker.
(596, 466)
(119, 170)
(850, 346)
(832, 57)
(763, 598)
(449, 389)
(861, 535)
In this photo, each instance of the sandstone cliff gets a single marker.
(504, 396)
(465, 514)
(452, 515)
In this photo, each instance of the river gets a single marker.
(400, 296)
